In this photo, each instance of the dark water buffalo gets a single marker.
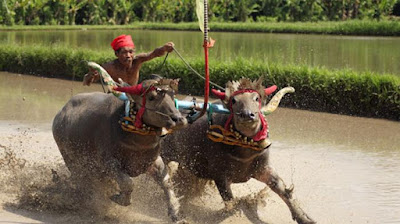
(226, 164)
(93, 144)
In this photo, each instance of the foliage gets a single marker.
(337, 91)
(352, 27)
(101, 12)
(396, 8)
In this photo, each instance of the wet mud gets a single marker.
(344, 169)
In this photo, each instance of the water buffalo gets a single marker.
(94, 145)
(234, 161)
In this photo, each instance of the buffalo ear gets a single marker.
(270, 90)
(259, 82)
(174, 84)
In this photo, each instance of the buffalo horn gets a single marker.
(276, 99)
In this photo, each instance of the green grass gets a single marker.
(354, 27)
(319, 89)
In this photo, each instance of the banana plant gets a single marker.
(74, 6)
(244, 8)
(97, 13)
(124, 12)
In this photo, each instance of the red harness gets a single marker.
(139, 114)
(138, 90)
(263, 133)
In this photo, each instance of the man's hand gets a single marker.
(169, 47)
(90, 77)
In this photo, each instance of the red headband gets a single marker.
(122, 41)
(221, 95)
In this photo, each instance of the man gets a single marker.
(127, 64)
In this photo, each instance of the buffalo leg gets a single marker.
(271, 178)
(224, 188)
(124, 182)
(160, 173)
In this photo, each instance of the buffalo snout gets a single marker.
(179, 120)
(247, 115)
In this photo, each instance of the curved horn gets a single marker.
(276, 99)
(108, 81)
(270, 90)
(219, 94)
(134, 90)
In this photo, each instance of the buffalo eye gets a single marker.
(256, 98)
(152, 97)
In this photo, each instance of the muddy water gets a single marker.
(345, 169)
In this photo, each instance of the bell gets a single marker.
(164, 131)
(264, 143)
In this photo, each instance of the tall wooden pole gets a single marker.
(207, 75)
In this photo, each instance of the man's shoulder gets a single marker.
(109, 65)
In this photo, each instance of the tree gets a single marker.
(396, 8)
(6, 14)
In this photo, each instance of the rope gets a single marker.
(72, 84)
(194, 71)
(160, 67)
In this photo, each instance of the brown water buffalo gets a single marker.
(94, 145)
(233, 162)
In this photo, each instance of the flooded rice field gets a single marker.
(359, 53)
(344, 169)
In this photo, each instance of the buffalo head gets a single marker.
(154, 101)
(244, 98)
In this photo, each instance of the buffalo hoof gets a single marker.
(230, 206)
(121, 199)
(304, 220)
(176, 217)
(181, 221)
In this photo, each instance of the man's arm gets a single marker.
(158, 52)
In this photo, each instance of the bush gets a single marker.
(339, 91)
